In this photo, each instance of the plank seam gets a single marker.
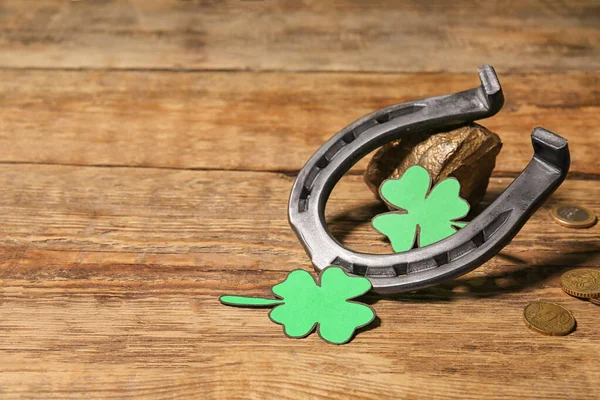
(288, 173)
(510, 71)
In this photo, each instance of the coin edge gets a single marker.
(575, 293)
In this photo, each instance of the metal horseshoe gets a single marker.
(456, 255)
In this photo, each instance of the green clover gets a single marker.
(304, 305)
(427, 217)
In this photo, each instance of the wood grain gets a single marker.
(110, 280)
(347, 35)
(148, 151)
(207, 220)
(260, 121)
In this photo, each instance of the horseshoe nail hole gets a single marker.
(383, 118)
(348, 137)
(360, 269)
(400, 269)
(303, 203)
(441, 259)
(478, 239)
(322, 163)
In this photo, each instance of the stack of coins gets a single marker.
(555, 320)
(584, 283)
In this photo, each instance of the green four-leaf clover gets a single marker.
(427, 218)
(304, 305)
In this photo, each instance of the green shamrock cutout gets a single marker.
(427, 217)
(304, 304)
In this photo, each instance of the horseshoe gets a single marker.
(456, 255)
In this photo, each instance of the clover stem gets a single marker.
(249, 301)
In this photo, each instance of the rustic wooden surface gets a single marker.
(148, 149)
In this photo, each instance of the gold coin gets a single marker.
(573, 216)
(549, 318)
(581, 282)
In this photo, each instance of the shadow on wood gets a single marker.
(521, 276)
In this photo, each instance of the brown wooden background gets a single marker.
(147, 150)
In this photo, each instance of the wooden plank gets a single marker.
(312, 35)
(110, 277)
(143, 224)
(69, 345)
(259, 121)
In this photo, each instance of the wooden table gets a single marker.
(147, 152)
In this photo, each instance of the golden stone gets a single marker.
(467, 153)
